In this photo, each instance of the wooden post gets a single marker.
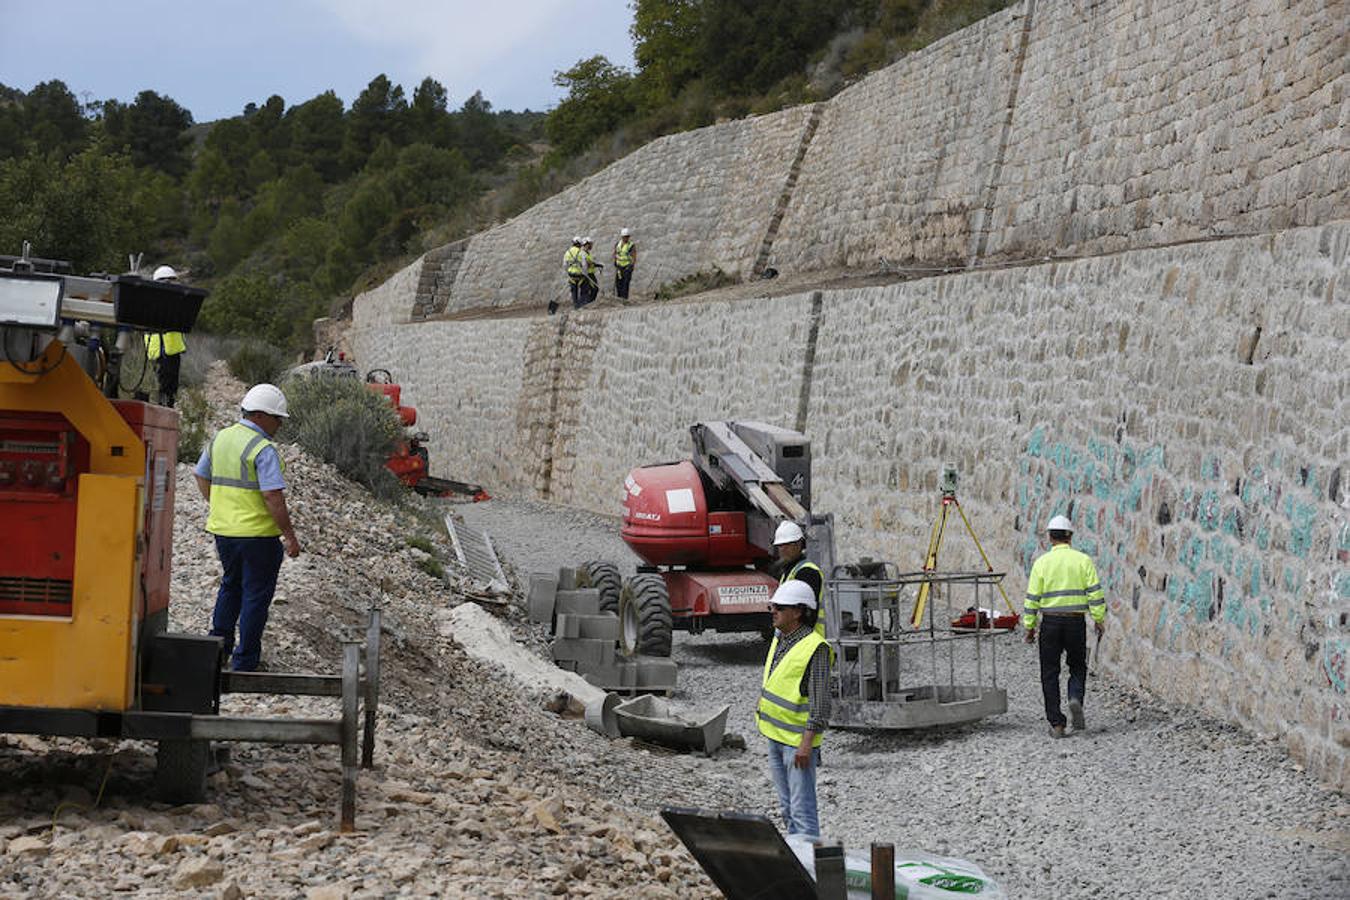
(883, 872)
(830, 883)
(351, 678)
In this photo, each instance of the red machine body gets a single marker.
(41, 459)
(410, 462)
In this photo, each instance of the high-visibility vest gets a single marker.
(1063, 580)
(820, 592)
(237, 505)
(573, 259)
(170, 343)
(590, 262)
(783, 708)
(623, 253)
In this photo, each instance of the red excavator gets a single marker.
(704, 531)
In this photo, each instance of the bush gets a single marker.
(256, 362)
(193, 425)
(342, 422)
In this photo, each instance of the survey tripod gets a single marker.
(930, 558)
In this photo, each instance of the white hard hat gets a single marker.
(266, 398)
(788, 533)
(164, 273)
(576, 239)
(586, 240)
(794, 593)
(1060, 523)
(624, 232)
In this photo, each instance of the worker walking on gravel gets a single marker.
(1062, 586)
(240, 476)
(625, 257)
(165, 350)
(789, 544)
(794, 704)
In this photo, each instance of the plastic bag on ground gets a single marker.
(918, 875)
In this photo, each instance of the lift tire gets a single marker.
(645, 622)
(180, 770)
(605, 577)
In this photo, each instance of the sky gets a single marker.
(215, 56)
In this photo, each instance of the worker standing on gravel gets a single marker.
(165, 350)
(789, 544)
(1062, 586)
(625, 257)
(574, 262)
(794, 704)
(240, 476)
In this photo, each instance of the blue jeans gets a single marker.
(250, 565)
(796, 789)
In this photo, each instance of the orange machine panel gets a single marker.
(157, 426)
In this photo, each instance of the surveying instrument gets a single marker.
(930, 559)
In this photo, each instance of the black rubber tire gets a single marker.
(604, 576)
(645, 622)
(180, 771)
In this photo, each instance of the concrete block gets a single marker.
(603, 627)
(584, 602)
(567, 579)
(619, 674)
(655, 673)
(543, 589)
(584, 650)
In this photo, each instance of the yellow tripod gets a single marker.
(935, 543)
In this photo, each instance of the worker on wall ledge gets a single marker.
(590, 286)
(574, 263)
(165, 351)
(794, 705)
(240, 476)
(625, 257)
(789, 544)
(1062, 586)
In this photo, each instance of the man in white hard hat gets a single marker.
(794, 705)
(1062, 587)
(240, 476)
(165, 350)
(789, 545)
(574, 263)
(625, 257)
(590, 287)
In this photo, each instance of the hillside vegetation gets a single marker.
(287, 209)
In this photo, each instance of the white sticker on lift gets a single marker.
(680, 500)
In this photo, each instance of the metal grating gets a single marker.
(475, 553)
(35, 596)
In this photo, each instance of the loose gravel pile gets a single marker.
(480, 791)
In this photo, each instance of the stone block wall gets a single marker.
(694, 201)
(897, 170)
(1140, 123)
(391, 302)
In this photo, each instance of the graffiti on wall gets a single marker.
(1220, 547)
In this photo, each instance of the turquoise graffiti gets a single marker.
(1228, 531)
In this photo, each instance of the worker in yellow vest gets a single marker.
(240, 474)
(1063, 586)
(574, 263)
(789, 545)
(590, 287)
(625, 257)
(165, 350)
(794, 704)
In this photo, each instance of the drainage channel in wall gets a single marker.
(785, 195)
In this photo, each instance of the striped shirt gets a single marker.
(815, 683)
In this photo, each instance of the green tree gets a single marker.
(666, 37)
(317, 128)
(153, 128)
(599, 98)
(429, 121)
(480, 138)
(378, 112)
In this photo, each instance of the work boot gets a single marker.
(1057, 731)
(1076, 715)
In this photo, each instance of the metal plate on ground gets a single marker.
(474, 552)
(744, 855)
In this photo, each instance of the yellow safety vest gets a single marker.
(1063, 580)
(237, 505)
(820, 594)
(572, 259)
(590, 262)
(170, 343)
(783, 708)
(623, 253)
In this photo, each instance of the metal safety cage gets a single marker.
(889, 675)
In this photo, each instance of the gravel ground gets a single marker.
(1151, 800)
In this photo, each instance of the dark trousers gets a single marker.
(623, 275)
(250, 565)
(589, 291)
(1066, 635)
(574, 285)
(166, 370)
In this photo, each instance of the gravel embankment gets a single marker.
(1150, 801)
